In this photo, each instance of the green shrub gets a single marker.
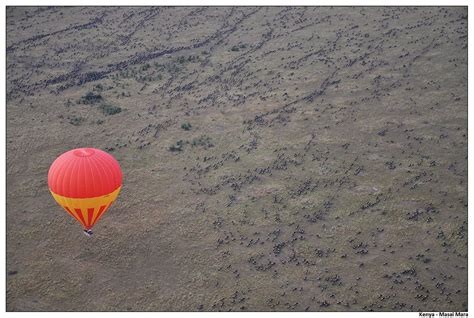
(173, 68)
(186, 126)
(91, 98)
(203, 141)
(76, 120)
(178, 146)
(110, 109)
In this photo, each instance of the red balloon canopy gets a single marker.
(84, 173)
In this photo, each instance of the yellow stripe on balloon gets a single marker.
(87, 203)
(73, 212)
(97, 211)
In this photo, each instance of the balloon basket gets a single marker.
(88, 233)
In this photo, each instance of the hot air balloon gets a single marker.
(85, 182)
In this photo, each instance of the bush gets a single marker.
(90, 98)
(203, 141)
(76, 120)
(110, 109)
(186, 126)
(173, 68)
(178, 146)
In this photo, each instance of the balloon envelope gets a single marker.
(85, 182)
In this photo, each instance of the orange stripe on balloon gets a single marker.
(72, 214)
(102, 212)
(79, 212)
(90, 213)
(99, 211)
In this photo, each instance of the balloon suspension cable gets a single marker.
(88, 233)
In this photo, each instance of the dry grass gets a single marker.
(326, 158)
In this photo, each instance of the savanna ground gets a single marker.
(274, 158)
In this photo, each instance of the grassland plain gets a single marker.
(274, 158)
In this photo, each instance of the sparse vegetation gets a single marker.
(178, 146)
(96, 99)
(186, 126)
(203, 141)
(110, 109)
(90, 98)
(76, 120)
(325, 168)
